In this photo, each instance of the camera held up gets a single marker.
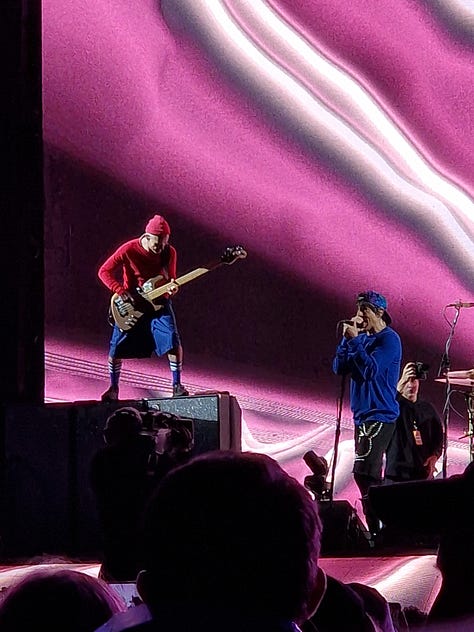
(421, 370)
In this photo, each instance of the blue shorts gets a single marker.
(158, 334)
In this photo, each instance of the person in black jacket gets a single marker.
(417, 442)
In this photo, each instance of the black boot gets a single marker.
(179, 390)
(111, 394)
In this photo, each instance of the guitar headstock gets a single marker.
(232, 253)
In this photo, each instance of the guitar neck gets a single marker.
(182, 280)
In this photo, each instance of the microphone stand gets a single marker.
(337, 435)
(443, 370)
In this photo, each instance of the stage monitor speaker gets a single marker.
(46, 500)
(343, 531)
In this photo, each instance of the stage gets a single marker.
(281, 416)
(284, 420)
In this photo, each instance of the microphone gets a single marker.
(460, 304)
(351, 322)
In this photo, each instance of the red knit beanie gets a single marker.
(157, 225)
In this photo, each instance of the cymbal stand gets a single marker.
(470, 424)
(443, 368)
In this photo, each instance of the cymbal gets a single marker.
(456, 381)
(459, 374)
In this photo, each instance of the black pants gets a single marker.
(371, 442)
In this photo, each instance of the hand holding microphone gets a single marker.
(352, 328)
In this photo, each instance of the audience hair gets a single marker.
(56, 600)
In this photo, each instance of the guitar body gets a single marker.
(126, 314)
(147, 299)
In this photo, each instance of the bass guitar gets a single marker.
(126, 314)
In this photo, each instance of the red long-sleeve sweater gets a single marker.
(131, 265)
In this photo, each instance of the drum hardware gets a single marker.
(463, 379)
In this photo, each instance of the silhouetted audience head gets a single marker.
(122, 425)
(231, 533)
(415, 618)
(57, 600)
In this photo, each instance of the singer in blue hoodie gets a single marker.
(370, 351)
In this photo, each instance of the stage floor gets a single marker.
(282, 418)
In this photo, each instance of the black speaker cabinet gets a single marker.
(36, 480)
(343, 532)
(47, 506)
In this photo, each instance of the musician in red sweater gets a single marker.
(130, 267)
